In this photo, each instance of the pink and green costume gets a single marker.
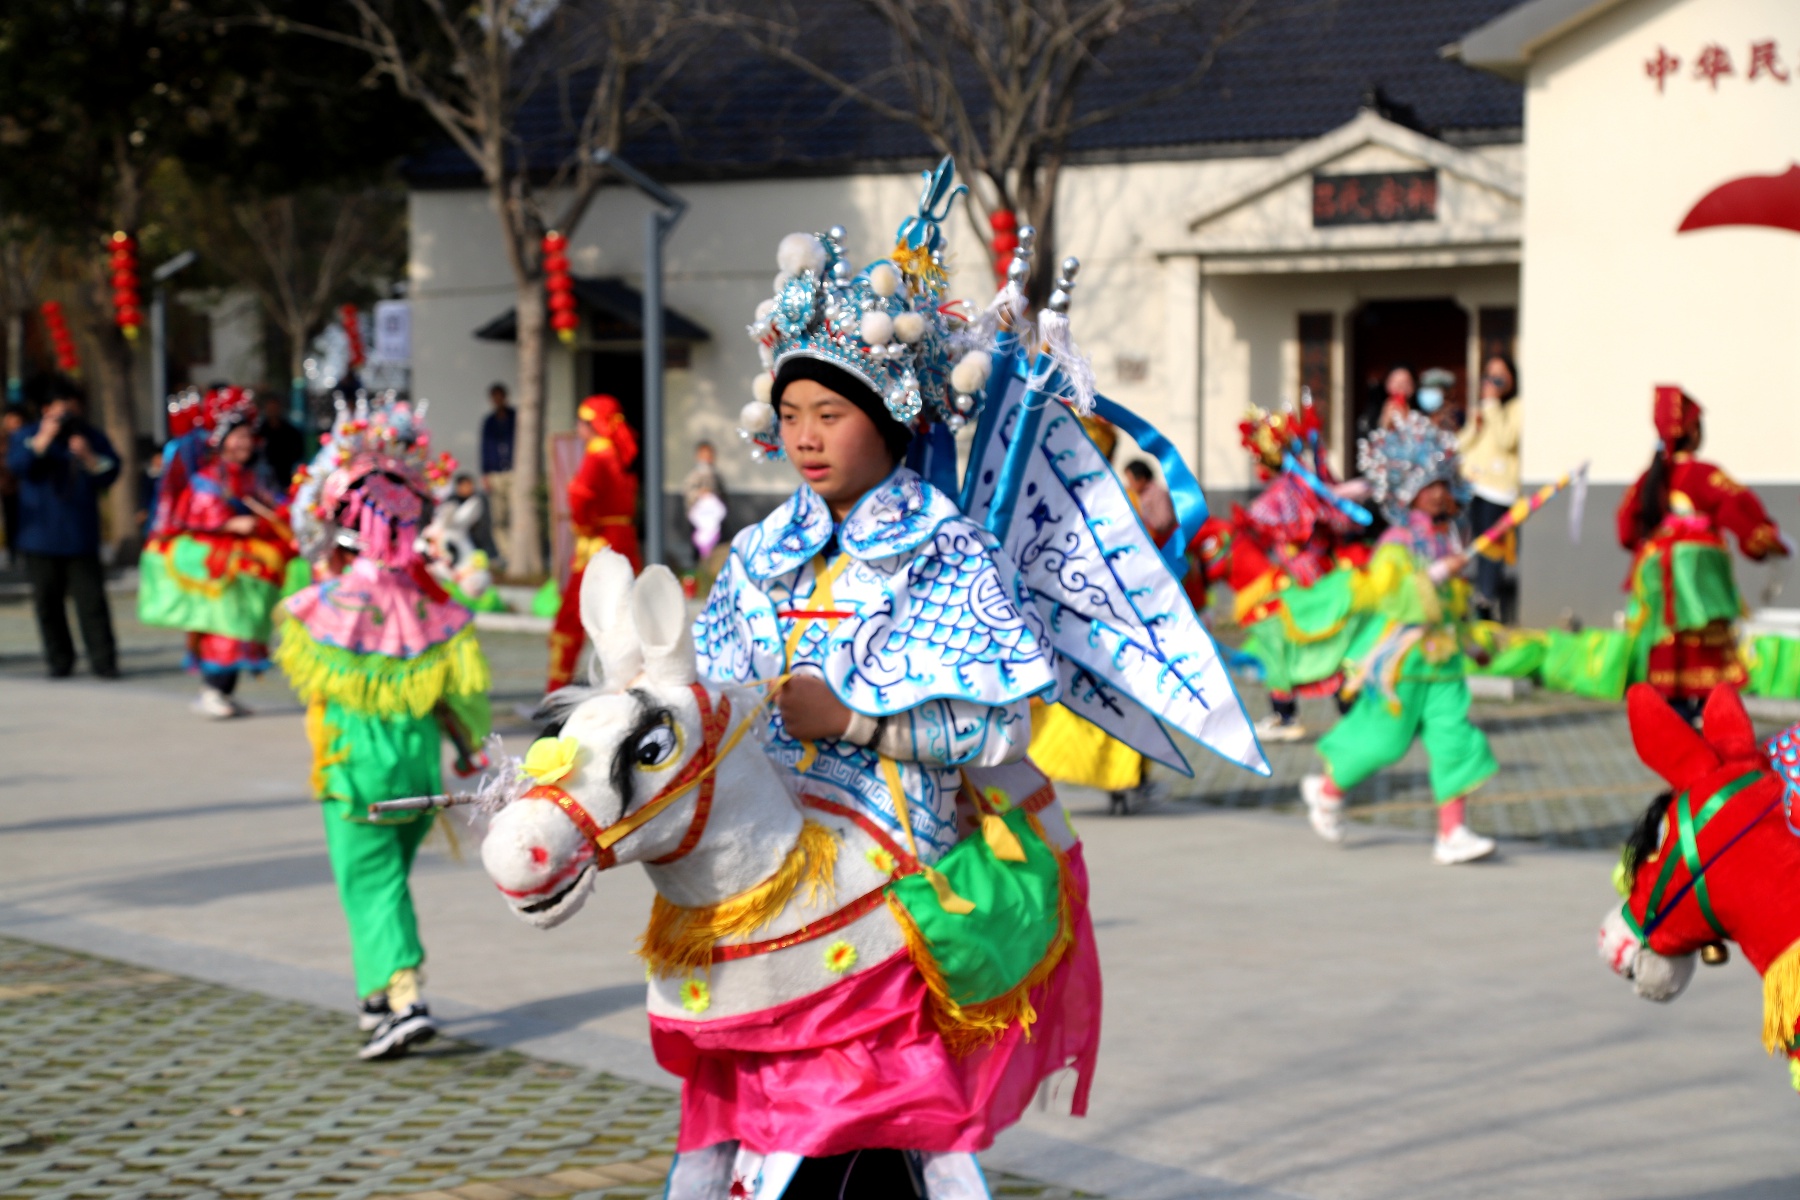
(381, 665)
(1412, 671)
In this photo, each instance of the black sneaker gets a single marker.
(372, 1012)
(399, 1033)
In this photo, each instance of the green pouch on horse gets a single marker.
(997, 930)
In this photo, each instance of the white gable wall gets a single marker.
(1615, 300)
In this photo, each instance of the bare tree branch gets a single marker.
(998, 84)
(472, 69)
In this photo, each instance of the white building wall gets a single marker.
(1615, 300)
(1185, 349)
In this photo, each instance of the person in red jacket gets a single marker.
(1684, 597)
(603, 508)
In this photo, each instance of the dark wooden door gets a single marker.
(1419, 334)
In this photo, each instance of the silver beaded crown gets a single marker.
(888, 324)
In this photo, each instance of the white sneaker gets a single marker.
(215, 704)
(1326, 812)
(1273, 729)
(1460, 846)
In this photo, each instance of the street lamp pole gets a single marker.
(159, 338)
(657, 225)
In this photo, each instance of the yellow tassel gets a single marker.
(1001, 839)
(947, 898)
(321, 733)
(680, 940)
(375, 683)
(1781, 1000)
(968, 1027)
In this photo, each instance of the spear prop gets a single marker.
(1525, 506)
(422, 803)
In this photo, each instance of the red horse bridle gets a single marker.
(699, 772)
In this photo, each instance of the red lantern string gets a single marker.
(560, 287)
(122, 261)
(353, 331)
(1006, 240)
(60, 341)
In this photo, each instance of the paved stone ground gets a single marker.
(1568, 774)
(123, 1082)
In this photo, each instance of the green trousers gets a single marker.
(1372, 736)
(358, 759)
(371, 863)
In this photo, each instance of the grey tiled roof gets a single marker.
(1290, 79)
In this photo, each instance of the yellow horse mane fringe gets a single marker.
(679, 940)
(1781, 1000)
(968, 1027)
(375, 683)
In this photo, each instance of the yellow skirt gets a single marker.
(1073, 750)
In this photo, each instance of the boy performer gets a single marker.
(603, 509)
(1412, 683)
(387, 665)
(1684, 598)
(219, 544)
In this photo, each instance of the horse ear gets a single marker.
(1667, 744)
(606, 615)
(659, 609)
(1728, 726)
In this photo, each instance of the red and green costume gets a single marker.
(603, 509)
(221, 587)
(1684, 595)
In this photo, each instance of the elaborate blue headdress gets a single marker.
(888, 325)
(1402, 461)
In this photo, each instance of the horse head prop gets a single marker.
(1712, 860)
(650, 764)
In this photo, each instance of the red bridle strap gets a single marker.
(698, 772)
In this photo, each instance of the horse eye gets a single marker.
(655, 747)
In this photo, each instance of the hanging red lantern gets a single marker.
(352, 330)
(1006, 240)
(60, 342)
(122, 260)
(564, 317)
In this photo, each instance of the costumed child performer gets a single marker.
(219, 544)
(1291, 567)
(388, 666)
(1413, 683)
(1684, 598)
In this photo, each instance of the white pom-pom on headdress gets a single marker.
(884, 281)
(909, 327)
(801, 252)
(971, 373)
(757, 416)
(877, 328)
(763, 387)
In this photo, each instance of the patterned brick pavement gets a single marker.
(131, 1084)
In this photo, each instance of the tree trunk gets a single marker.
(527, 557)
(111, 356)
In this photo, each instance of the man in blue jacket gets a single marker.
(63, 465)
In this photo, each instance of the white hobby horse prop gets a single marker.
(779, 944)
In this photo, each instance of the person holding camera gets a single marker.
(63, 465)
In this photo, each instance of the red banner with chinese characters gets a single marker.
(1380, 198)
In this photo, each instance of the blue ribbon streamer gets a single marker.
(1322, 490)
(1184, 489)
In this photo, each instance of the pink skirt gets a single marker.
(860, 1065)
